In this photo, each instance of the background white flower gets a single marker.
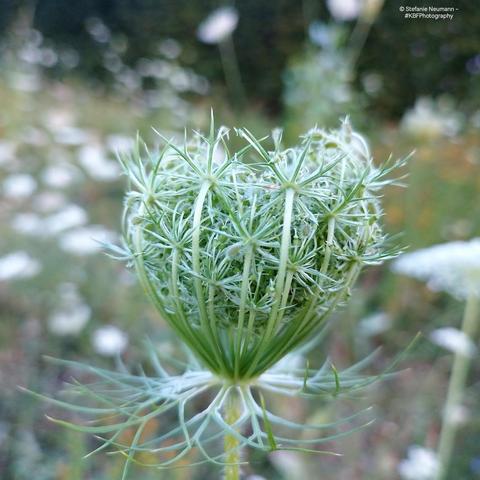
(85, 241)
(7, 152)
(454, 340)
(94, 160)
(58, 176)
(421, 464)
(289, 464)
(452, 267)
(68, 217)
(457, 414)
(344, 9)
(18, 265)
(71, 315)
(374, 324)
(218, 25)
(27, 223)
(431, 119)
(19, 186)
(71, 136)
(109, 341)
(119, 143)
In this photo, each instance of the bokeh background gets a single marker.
(78, 80)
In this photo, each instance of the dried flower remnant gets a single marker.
(245, 255)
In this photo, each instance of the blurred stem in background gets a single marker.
(232, 73)
(310, 10)
(217, 29)
(456, 389)
(76, 451)
(368, 15)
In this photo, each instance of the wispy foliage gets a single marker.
(127, 413)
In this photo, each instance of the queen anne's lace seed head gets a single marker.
(452, 267)
(245, 254)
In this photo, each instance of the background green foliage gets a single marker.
(411, 61)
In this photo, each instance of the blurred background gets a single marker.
(79, 79)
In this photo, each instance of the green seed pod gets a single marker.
(245, 255)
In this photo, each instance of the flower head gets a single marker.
(453, 267)
(344, 9)
(19, 186)
(218, 25)
(71, 314)
(18, 265)
(85, 240)
(109, 341)
(246, 256)
(454, 340)
(420, 464)
(430, 119)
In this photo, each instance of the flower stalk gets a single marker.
(231, 442)
(456, 388)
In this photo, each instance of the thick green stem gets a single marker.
(456, 389)
(231, 443)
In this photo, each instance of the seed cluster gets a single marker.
(244, 254)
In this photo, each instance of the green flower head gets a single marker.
(245, 254)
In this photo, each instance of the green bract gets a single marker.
(246, 253)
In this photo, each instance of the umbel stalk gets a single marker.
(456, 388)
(231, 443)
